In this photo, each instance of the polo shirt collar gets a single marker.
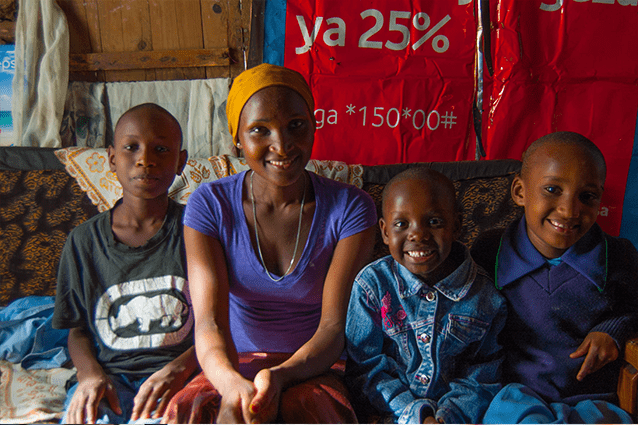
(518, 257)
(455, 286)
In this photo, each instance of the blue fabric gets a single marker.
(518, 404)
(27, 337)
(274, 32)
(587, 256)
(554, 261)
(416, 351)
(629, 224)
(126, 390)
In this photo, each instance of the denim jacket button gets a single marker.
(425, 338)
(430, 296)
(423, 379)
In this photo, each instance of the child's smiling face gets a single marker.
(419, 225)
(560, 191)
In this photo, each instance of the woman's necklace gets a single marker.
(261, 257)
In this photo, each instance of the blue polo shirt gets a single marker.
(552, 308)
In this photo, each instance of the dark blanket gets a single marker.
(38, 209)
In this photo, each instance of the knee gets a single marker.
(319, 400)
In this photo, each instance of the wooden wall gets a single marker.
(141, 40)
(137, 40)
(7, 21)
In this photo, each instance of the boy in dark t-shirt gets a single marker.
(122, 287)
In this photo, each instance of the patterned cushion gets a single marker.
(89, 167)
(38, 208)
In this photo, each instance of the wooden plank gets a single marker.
(75, 12)
(235, 39)
(93, 24)
(8, 10)
(215, 30)
(8, 32)
(79, 39)
(239, 35)
(165, 34)
(246, 24)
(7, 21)
(119, 26)
(93, 27)
(136, 36)
(168, 59)
(189, 28)
(83, 26)
(111, 32)
(631, 351)
(124, 26)
(627, 389)
(256, 46)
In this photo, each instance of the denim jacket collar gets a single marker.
(455, 286)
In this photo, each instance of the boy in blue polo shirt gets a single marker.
(572, 290)
(423, 322)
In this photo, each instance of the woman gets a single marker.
(272, 254)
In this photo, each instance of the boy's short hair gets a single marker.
(154, 107)
(424, 174)
(565, 138)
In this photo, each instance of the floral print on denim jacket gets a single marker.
(416, 351)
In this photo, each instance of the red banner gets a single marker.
(393, 81)
(565, 65)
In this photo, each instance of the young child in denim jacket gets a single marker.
(423, 322)
(571, 290)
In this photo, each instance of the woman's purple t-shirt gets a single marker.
(277, 316)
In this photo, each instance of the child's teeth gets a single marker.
(559, 225)
(418, 253)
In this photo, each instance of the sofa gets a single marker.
(43, 195)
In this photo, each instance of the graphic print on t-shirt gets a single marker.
(144, 314)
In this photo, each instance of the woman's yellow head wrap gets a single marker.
(254, 79)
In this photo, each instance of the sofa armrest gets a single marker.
(628, 380)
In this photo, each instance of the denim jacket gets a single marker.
(416, 351)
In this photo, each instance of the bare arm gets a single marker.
(216, 352)
(326, 345)
(93, 383)
(161, 386)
